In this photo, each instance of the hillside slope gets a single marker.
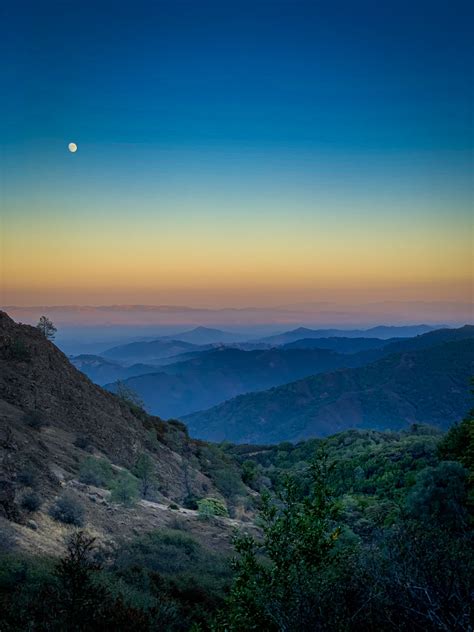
(53, 418)
(426, 386)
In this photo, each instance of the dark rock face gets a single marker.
(48, 383)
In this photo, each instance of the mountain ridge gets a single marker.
(388, 393)
(380, 331)
(224, 372)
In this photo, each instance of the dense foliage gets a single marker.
(362, 531)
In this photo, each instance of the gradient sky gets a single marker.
(236, 153)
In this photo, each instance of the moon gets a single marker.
(72, 148)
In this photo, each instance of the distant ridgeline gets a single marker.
(418, 380)
(363, 382)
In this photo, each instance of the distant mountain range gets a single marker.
(198, 339)
(101, 371)
(134, 352)
(429, 384)
(341, 345)
(207, 376)
(381, 331)
(206, 336)
(203, 338)
(214, 376)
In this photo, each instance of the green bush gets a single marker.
(223, 470)
(125, 489)
(94, 471)
(31, 502)
(210, 507)
(144, 470)
(68, 510)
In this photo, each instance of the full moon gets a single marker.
(72, 147)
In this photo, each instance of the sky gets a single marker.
(236, 153)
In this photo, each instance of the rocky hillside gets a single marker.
(53, 418)
(425, 386)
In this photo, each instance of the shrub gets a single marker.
(35, 419)
(145, 471)
(249, 472)
(31, 502)
(96, 472)
(152, 442)
(179, 425)
(190, 502)
(177, 524)
(173, 506)
(125, 489)
(129, 397)
(83, 442)
(223, 471)
(439, 496)
(67, 509)
(210, 507)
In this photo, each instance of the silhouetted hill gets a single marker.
(136, 352)
(102, 371)
(381, 331)
(341, 345)
(430, 339)
(426, 386)
(217, 375)
(206, 335)
(371, 349)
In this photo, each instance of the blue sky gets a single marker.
(350, 119)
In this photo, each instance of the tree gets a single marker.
(94, 471)
(76, 601)
(124, 489)
(439, 497)
(128, 396)
(279, 581)
(145, 471)
(47, 328)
